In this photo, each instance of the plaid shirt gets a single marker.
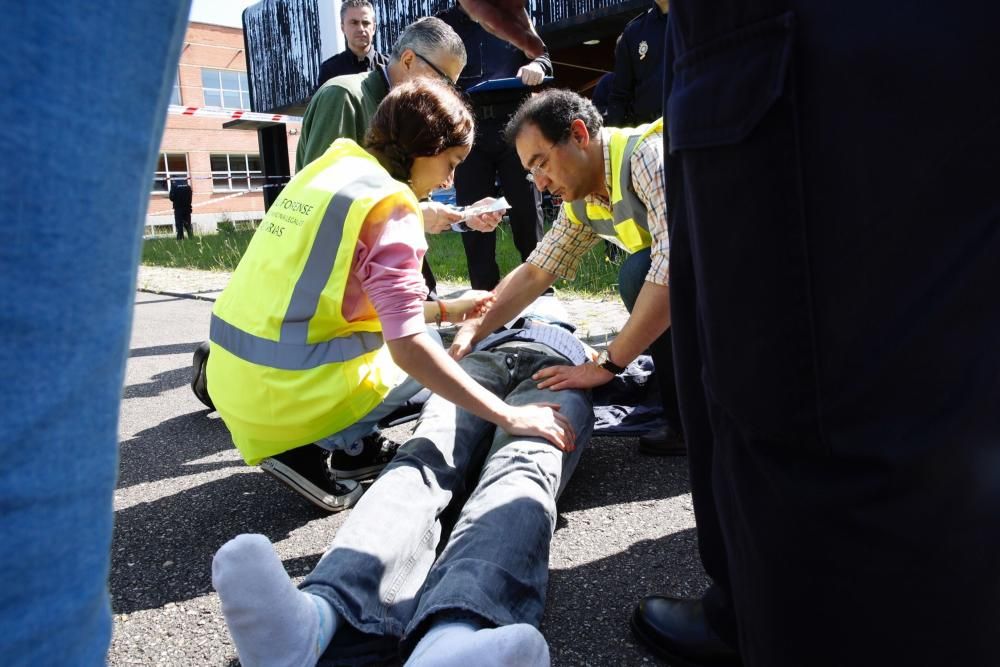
(560, 250)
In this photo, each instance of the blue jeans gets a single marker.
(484, 498)
(632, 276)
(85, 152)
(349, 439)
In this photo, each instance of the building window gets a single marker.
(175, 94)
(236, 171)
(169, 166)
(225, 88)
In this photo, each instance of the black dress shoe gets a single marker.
(662, 442)
(678, 631)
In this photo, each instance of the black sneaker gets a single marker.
(376, 453)
(304, 470)
(199, 379)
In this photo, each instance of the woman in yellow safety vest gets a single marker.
(322, 330)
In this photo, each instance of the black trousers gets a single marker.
(835, 316)
(492, 159)
(182, 221)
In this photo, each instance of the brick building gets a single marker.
(223, 165)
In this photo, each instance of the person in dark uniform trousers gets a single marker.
(491, 158)
(637, 89)
(635, 98)
(834, 244)
(357, 22)
(180, 197)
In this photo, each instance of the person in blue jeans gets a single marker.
(445, 558)
(91, 81)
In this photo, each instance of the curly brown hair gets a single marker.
(419, 118)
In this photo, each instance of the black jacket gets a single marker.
(637, 93)
(346, 62)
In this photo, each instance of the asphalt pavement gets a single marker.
(626, 526)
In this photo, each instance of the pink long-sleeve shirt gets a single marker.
(385, 278)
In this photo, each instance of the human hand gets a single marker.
(484, 222)
(508, 20)
(461, 345)
(531, 74)
(542, 420)
(583, 376)
(438, 217)
(471, 304)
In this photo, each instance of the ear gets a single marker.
(406, 58)
(578, 131)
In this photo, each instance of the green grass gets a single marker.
(222, 252)
(212, 252)
(597, 274)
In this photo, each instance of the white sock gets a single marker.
(273, 624)
(460, 644)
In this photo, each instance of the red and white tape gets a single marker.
(237, 114)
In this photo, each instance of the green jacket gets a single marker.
(341, 109)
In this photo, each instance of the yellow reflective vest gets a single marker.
(286, 369)
(626, 224)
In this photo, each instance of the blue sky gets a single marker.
(219, 12)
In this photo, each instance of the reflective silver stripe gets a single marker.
(602, 226)
(579, 208)
(630, 205)
(323, 255)
(290, 356)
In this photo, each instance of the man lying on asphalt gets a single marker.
(483, 499)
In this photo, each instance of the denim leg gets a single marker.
(496, 563)
(347, 439)
(632, 276)
(95, 78)
(379, 559)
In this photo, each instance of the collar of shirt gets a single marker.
(595, 198)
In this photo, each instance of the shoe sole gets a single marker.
(198, 382)
(310, 491)
(358, 473)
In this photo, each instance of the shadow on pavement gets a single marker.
(607, 590)
(161, 382)
(611, 471)
(157, 350)
(165, 450)
(162, 550)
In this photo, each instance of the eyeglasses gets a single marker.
(542, 165)
(437, 70)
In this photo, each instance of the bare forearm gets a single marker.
(514, 293)
(423, 359)
(649, 319)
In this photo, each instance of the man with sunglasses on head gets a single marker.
(611, 183)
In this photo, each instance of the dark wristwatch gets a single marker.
(604, 361)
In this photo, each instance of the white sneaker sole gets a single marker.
(317, 496)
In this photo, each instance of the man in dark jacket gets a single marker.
(357, 21)
(491, 158)
(180, 195)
